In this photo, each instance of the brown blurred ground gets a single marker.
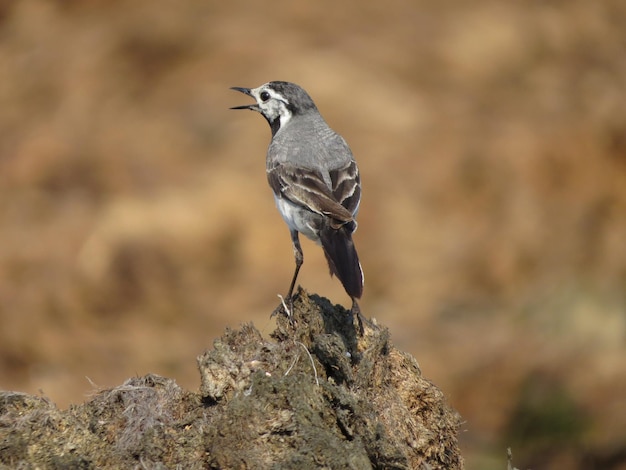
(136, 222)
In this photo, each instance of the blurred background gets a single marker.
(136, 222)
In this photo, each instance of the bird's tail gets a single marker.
(342, 258)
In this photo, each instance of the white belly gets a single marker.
(298, 219)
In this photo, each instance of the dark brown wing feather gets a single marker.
(346, 186)
(307, 188)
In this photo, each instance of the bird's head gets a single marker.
(278, 102)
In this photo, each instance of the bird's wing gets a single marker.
(307, 189)
(346, 186)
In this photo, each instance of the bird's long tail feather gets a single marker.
(342, 258)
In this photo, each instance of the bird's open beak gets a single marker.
(245, 91)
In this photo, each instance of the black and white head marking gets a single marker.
(275, 107)
(278, 102)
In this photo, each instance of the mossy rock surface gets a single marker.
(317, 394)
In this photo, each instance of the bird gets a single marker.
(315, 181)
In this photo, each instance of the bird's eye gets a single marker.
(264, 95)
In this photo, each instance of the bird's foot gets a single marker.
(285, 308)
(355, 311)
(361, 320)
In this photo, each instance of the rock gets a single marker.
(315, 395)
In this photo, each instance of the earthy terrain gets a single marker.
(318, 395)
(136, 223)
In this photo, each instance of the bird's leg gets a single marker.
(356, 310)
(299, 256)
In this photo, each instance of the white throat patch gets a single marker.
(275, 107)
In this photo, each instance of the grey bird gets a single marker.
(315, 180)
